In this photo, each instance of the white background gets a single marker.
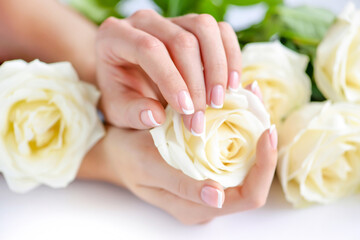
(91, 210)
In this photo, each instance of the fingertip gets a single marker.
(212, 194)
(152, 115)
(234, 81)
(273, 137)
(212, 197)
(266, 150)
(187, 122)
(147, 118)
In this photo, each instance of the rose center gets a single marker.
(35, 125)
(231, 143)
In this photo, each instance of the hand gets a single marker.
(146, 61)
(137, 165)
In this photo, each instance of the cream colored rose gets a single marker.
(226, 151)
(337, 71)
(280, 73)
(48, 122)
(319, 157)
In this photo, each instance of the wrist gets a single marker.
(98, 164)
(92, 167)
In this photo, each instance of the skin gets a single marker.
(149, 60)
(142, 170)
(140, 66)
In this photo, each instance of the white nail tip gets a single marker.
(234, 90)
(195, 133)
(216, 106)
(220, 198)
(254, 86)
(188, 112)
(272, 128)
(152, 119)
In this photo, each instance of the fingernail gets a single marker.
(256, 89)
(217, 97)
(273, 137)
(234, 81)
(198, 123)
(148, 119)
(212, 197)
(185, 102)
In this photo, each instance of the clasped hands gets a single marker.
(145, 62)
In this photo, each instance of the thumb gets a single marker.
(129, 109)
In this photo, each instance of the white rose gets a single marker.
(225, 153)
(48, 122)
(319, 157)
(280, 73)
(337, 72)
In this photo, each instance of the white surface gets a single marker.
(89, 210)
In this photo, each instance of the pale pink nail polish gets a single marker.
(217, 97)
(256, 90)
(212, 196)
(185, 102)
(198, 123)
(273, 137)
(234, 81)
(147, 118)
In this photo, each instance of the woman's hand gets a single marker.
(146, 61)
(137, 165)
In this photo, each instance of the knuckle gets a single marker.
(225, 27)
(109, 23)
(205, 20)
(149, 43)
(182, 188)
(257, 202)
(106, 31)
(185, 40)
(198, 93)
(144, 13)
(220, 66)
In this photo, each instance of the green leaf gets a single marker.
(215, 8)
(173, 8)
(96, 10)
(252, 2)
(305, 25)
(107, 3)
(163, 4)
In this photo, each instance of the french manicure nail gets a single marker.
(217, 97)
(198, 123)
(185, 102)
(148, 119)
(212, 197)
(234, 81)
(273, 137)
(256, 89)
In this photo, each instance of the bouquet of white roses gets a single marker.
(319, 147)
(48, 118)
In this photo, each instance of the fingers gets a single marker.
(130, 109)
(185, 211)
(119, 41)
(255, 89)
(233, 55)
(162, 175)
(207, 31)
(185, 52)
(254, 191)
